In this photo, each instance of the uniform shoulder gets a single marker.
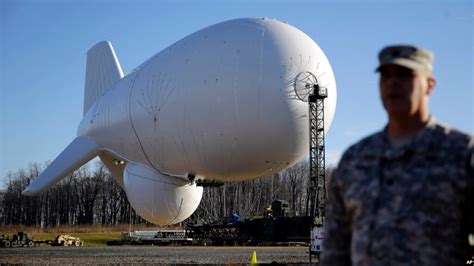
(452, 135)
(370, 141)
(364, 145)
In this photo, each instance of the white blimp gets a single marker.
(218, 105)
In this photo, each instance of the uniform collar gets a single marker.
(418, 144)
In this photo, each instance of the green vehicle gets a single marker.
(20, 239)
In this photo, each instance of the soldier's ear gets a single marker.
(431, 85)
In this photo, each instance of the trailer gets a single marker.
(275, 231)
(158, 237)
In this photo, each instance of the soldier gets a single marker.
(404, 195)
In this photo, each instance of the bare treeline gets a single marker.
(84, 197)
(94, 197)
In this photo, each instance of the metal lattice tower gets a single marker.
(307, 89)
(317, 153)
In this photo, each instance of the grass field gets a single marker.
(95, 239)
(91, 235)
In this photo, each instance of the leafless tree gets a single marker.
(94, 197)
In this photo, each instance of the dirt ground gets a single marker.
(153, 255)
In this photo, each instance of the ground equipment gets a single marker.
(20, 239)
(67, 241)
(159, 237)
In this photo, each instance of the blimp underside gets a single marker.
(218, 105)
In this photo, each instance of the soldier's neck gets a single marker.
(400, 126)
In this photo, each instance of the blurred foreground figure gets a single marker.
(404, 195)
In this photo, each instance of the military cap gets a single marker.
(407, 56)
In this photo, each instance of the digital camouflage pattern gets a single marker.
(411, 205)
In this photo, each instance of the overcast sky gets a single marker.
(43, 46)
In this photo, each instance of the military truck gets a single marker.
(20, 239)
(5, 241)
(67, 241)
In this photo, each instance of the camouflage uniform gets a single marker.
(411, 205)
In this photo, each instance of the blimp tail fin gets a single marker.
(103, 70)
(80, 151)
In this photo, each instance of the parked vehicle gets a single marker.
(159, 237)
(67, 241)
(20, 239)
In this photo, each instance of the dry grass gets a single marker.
(91, 235)
(62, 229)
(96, 239)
